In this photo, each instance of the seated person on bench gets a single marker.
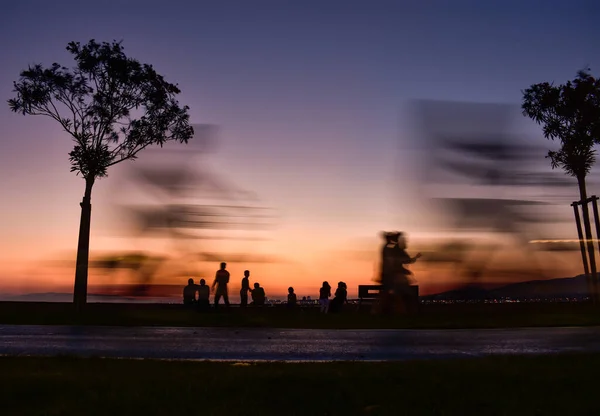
(203, 295)
(189, 293)
(258, 295)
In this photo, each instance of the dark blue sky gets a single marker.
(308, 94)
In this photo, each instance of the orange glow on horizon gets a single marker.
(305, 273)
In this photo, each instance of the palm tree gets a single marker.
(570, 113)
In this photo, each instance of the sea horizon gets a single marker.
(60, 297)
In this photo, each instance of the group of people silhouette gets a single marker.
(338, 301)
(199, 294)
(394, 279)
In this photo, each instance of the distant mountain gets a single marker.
(551, 288)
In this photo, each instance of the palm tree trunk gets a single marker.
(588, 237)
(83, 248)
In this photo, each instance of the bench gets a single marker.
(370, 293)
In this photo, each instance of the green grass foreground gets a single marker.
(429, 316)
(547, 385)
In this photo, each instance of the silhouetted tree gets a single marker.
(112, 106)
(570, 113)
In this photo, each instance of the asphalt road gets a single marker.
(290, 344)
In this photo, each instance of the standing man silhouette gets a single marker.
(221, 281)
(245, 289)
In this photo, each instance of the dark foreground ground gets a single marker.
(429, 316)
(549, 385)
(271, 344)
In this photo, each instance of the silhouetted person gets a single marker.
(401, 257)
(203, 296)
(221, 281)
(340, 297)
(245, 289)
(258, 295)
(189, 293)
(401, 284)
(388, 269)
(291, 298)
(324, 295)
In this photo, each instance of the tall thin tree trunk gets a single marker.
(588, 236)
(83, 248)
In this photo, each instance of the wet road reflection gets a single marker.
(290, 344)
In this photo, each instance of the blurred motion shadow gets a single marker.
(493, 189)
(190, 208)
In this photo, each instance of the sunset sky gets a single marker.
(312, 103)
